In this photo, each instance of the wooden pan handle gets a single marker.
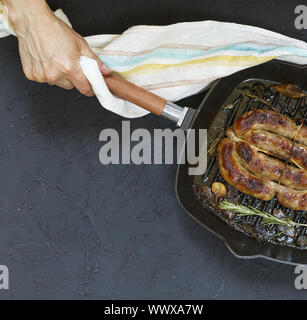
(134, 94)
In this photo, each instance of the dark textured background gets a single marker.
(72, 228)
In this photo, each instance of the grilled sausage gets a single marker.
(292, 199)
(237, 176)
(270, 168)
(270, 121)
(278, 146)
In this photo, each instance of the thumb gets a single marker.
(105, 70)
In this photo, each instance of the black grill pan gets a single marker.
(221, 93)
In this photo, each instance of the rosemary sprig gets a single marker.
(268, 219)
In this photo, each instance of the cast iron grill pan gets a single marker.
(246, 236)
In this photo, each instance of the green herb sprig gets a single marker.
(268, 219)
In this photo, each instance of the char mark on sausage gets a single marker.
(270, 168)
(278, 146)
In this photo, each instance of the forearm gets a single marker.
(22, 11)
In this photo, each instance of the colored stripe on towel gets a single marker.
(211, 61)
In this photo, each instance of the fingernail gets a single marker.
(106, 68)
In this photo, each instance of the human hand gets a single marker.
(50, 50)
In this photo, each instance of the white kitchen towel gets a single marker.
(178, 60)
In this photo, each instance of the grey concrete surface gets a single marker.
(71, 228)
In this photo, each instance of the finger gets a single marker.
(38, 73)
(83, 86)
(65, 84)
(26, 62)
(105, 70)
(28, 71)
(81, 83)
(88, 52)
